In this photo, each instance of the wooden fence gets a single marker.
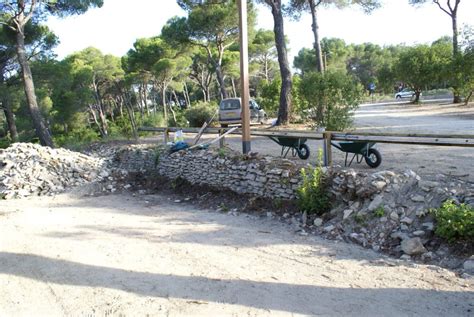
(327, 137)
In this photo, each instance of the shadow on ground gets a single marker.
(325, 300)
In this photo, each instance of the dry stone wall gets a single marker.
(264, 177)
(402, 194)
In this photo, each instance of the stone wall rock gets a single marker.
(29, 169)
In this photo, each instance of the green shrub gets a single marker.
(200, 112)
(313, 194)
(75, 139)
(152, 120)
(4, 143)
(120, 128)
(181, 121)
(269, 96)
(454, 221)
(329, 99)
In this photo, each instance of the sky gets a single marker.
(114, 28)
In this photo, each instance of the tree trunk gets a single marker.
(140, 101)
(129, 107)
(417, 95)
(163, 99)
(234, 91)
(265, 68)
(220, 80)
(285, 94)
(317, 44)
(175, 97)
(40, 126)
(186, 96)
(468, 98)
(145, 97)
(96, 121)
(456, 93)
(10, 119)
(100, 109)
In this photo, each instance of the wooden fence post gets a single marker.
(221, 141)
(327, 149)
(166, 135)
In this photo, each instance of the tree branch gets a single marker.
(32, 10)
(441, 7)
(8, 25)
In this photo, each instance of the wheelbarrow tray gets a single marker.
(372, 157)
(355, 147)
(289, 141)
(297, 145)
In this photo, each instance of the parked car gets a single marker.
(230, 112)
(405, 93)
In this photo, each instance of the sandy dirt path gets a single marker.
(127, 255)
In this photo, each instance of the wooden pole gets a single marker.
(327, 149)
(221, 141)
(244, 76)
(166, 136)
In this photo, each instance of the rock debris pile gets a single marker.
(390, 211)
(33, 170)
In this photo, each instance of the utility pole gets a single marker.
(244, 75)
(244, 71)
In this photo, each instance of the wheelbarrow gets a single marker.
(296, 145)
(361, 150)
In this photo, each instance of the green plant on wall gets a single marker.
(379, 212)
(157, 153)
(454, 221)
(313, 193)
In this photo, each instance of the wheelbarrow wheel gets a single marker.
(373, 158)
(303, 151)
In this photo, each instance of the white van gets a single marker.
(230, 112)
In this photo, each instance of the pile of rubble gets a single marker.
(33, 170)
(390, 212)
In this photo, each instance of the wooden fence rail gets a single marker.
(393, 138)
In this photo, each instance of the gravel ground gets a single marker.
(147, 255)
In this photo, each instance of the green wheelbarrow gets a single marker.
(296, 145)
(361, 150)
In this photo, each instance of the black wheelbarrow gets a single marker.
(361, 150)
(296, 145)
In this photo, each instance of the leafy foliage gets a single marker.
(181, 120)
(329, 99)
(269, 96)
(313, 193)
(454, 221)
(421, 66)
(464, 63)
(76, 138)
(200, 113)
